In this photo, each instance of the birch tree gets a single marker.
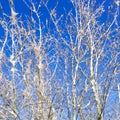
(100, 44)
(25, 91)
(65, 66)
(93, 51)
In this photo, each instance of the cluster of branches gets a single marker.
(63, 68)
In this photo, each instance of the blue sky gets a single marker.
(63, 5)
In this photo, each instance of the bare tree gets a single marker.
(93, 57)
(25, 91)
(66, 67)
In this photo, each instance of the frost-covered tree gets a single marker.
(60, 63)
